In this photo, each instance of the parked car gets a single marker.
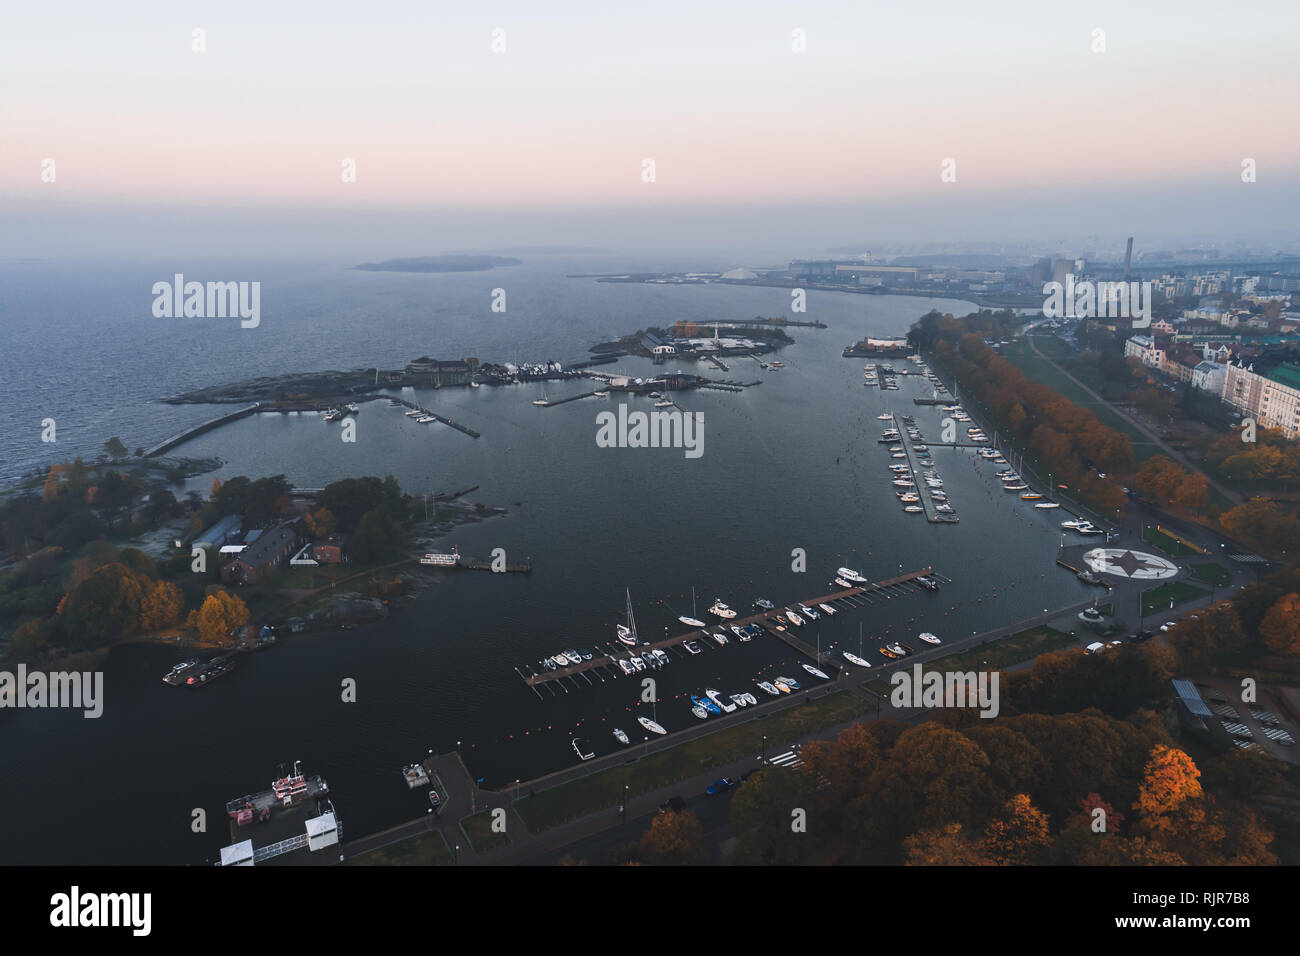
(672, 805)
(721, 786)
(1164, 628)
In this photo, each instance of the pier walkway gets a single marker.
(857, 596)
(446, 421)
(200, 429)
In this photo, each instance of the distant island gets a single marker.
(439, 264)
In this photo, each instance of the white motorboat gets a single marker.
(650, 725)
(848, 574)
(844, 584)
(830, 611)
(808, 612)
(914, 510)
(820, 674)
(720, 638)
(768, 688)
(562, 660)
(661, 656)
(739, 632)
(854, 659)
(740, 700)
(794, 618)
(929, 638)
(700, 712)
(1045, 505)
(750, 698)
(721, 610)
(692, 647)
(414, 413)
(716, 696)
(691, 621)
(620, 736)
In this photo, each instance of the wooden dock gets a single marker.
(859, 596)
(440, 418)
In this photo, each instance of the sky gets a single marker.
(769, 125)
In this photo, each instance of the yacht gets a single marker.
(624, 666)
(716, 696)
(929, 638)
(765, 604)
(620, 736)
(542, 400)
(739, 632)
(848, 574)
(691, 647)
(808, 612)
(768, 688)
(854, 659)
(904, 483)
(820, 674)
(914, 510)
(691, 621)
(661, 656)
(830, 611)
(650, 725)
(885, 417)
(794, 618)
(721, 610)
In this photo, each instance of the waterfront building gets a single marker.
(262, 557)
(220, 533)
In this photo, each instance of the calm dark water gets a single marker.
(792, 463)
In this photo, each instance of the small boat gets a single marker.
(848, 574)
(765, 604)
(884, 418)
(780, 619)
(721, 610)
(425, 420)
(719, 638)
(789, 682)
(707, 704)
(914, 509)
(830, 611)
(844, 584)
(623, 665)
(414, 413)
(781, 686)
(582, 748)
(636, 662)
(739, 632)
(854, 659)
(717, 698)
(1030, 496)
(888, 653)
(819, 674)
(691, 647)
(700, 712)
(620, 736)
(550, 664)
(601, 394)
(740, 700)
(661, 657)
(808, 612)
(664, 404)
(1045, 505)
(627, 632)
(474, 385)
(929, 638)
(650, 725)
(586, 653)
(750, 699)
(768, 688)
(1019, 487)
(561, 659)
(794, 618)
(691, 622)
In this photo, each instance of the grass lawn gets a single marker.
(601, 790)
(1008, 650)
(478, 830)
(1177, 592)
(427, 849)
(1163, 542)
(1214, 574)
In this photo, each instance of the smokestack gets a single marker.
(1128, 257)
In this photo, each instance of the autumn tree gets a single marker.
(1019, 835)
(1280, 628)
(103, 607)
(674, 839)
(320, 522)
(220, 614)
(1169, 780)
(944, 846)
(161, 606)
